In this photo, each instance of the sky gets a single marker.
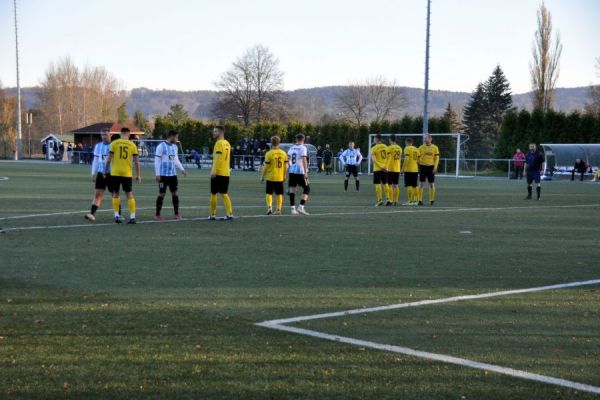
(186, 45)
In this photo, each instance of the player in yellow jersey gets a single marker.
(274, 171)
(379, 158)
(410, 167)
(121, 154)
(429, 158)
(219, 175)
(394, 159)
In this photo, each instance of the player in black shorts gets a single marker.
(101, 182)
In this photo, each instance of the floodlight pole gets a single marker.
(426, 91)
(19, 138)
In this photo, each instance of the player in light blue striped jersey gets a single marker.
(166, 163)
(351, 159)
(102, 182)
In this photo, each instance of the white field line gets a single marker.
(279, 324)
(312, 215)
(4, 178)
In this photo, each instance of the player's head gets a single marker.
(532, 146)
(218, 132)
(351, 145)
(327, 145)
(408, 141)
(275, 140)
(518, 150)
(125, 132)
(105, 136)
(300, 138)
(377, 138)
(428, 139)
(172, 136)
(393, 139)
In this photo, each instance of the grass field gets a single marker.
(168, 310)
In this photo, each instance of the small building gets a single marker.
(51, 146)
(90, 135)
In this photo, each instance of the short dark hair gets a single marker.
(125, 130)
(409, 140)
(378, 136)
(299, 136)
(172, 132)
(393, 138)
(220, 128)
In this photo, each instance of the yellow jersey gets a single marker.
(123, 151)
(379, 156)
(221, 158)
(411, 159)
(394, 157)
(275, 165)
(429, 154)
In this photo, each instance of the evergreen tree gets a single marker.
(178, 114)
(122, 116)
(141, 122)
(451, 118)
(475, 120)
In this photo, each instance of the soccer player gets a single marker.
(101, 151)
(379, 157)
(121, 153)
(298, 174)
(429, 158)
(219, 175)
(394, 157)
(166, 163)
(274, 170)
(410, 167)
(534, 162)
(351, 159)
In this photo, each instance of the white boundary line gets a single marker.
(4, 178)
(312, 215)
(279, 324)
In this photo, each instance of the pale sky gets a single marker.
(186, 45)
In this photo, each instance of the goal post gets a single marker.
(460, 138)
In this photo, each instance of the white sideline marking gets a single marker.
(279, 324)
(4, 178)
(313, 215)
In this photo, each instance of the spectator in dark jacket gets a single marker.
(327, 159)
(580, 167)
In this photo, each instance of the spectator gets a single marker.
(519, 159)
(196, 157)
(580, 167)
(319, 159)
(44, 149)
(61, 150)
(69, 151)
(339, 162)
(327, 159)
(237, 155)
(55, 148)
(246, 152)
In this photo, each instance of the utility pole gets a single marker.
(426, 92)
(18, 153)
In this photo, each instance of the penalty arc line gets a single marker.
(279, 324)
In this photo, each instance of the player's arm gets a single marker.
(178, 163)
(265, 167)
(136, 160)
(436, 160)
(158, 162)
(95, 164)
(360, 157)
(285, 169)
(305, 164)
(216, 159)
(108, 161)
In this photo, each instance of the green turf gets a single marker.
(167, 310)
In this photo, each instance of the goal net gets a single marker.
(451, 147)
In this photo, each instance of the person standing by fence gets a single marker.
(519, 162)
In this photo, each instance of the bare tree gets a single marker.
(545, 65)
(353, 102)
(594, 106)
(384, 98)
(251, 83)
(8, 105)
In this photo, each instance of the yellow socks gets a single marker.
(431, 194)
(388, 192)
(396, 194)
(116, 203)
(279, 202)
(420, 194)
(131, 205)
(213, 205)
(378, 192)
(227, 202)
(269, 200)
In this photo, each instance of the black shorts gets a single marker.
(116, 182)
(533, 177)
(103, 183)
(393, 178)
(219, 184)
(426, 173)
(299, 180)
(276, 187)
(167, 181)
(411, 179)
(379, 177)
(351, 170)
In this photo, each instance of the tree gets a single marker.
(141, 122)
(249, 86)
(177, 114)
(122, 116)
(451, 118)
(8, 132)
(384, 98)
(544, 68)
(353, 102)
(594, 106)
(475, 119)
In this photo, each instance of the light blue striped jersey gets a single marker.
(296, 153)
(351, 156)
(166, 159)
(101, 151)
